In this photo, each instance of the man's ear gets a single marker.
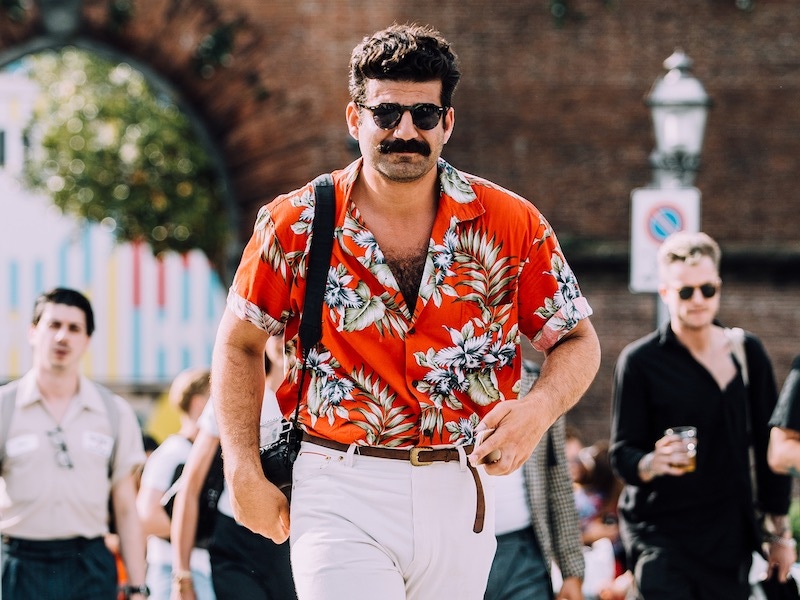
(449, 123)
(353, 118)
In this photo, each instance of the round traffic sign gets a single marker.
(664, 220)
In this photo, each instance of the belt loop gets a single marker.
(350, 458)
(462, 457)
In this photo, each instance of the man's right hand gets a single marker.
(669, 457)
(258, 504)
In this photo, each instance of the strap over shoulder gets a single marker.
(736, 338)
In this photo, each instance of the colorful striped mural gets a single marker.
(154, 317)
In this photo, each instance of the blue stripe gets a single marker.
(161, 367)
(87, 256)
(13, 285)
(63, 264)
(38, 276)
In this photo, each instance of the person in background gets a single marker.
(535, 522)
(597, 492)
(188, 394)
(70, 445)
(435, 277)
(689, 522)
(784, 440)
(111, 538)
(243, 564)
(573, 444)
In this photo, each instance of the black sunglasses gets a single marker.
(388, 115)
(708, 290)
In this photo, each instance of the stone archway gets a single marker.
(220, 68)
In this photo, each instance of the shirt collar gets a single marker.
(88, 396)
(456, 193)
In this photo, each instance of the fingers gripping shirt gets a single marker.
(382, 375)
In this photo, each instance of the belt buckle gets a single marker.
(414, 456)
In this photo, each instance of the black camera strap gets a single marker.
(319, 260)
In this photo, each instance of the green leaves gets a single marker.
(108, 148)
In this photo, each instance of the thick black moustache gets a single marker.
(405, 146)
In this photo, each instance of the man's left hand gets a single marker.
(518, 427)
(781, 557)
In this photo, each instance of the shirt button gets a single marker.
(412, 331)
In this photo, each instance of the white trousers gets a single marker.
(364, 528)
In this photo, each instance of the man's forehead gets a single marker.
(682, 271)
(63, 313)
(431, 90)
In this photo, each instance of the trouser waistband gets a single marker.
(62, 547)
(520, 534)
(418, 456)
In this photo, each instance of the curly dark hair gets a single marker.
(407, 52)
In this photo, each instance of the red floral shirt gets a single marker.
(381, 375)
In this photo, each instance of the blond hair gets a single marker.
(688, 248)
(188, 384)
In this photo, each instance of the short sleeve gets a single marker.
(787, 411)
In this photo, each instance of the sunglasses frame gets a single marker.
(708, 290)
(56, 437)
(401, 109)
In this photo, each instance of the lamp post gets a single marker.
(679, 108)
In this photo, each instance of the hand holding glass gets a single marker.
(688, 438)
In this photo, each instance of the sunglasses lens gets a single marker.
(708, 290)
(386, 116)
(425, 116)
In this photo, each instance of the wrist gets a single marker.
(131, 591)
(780, 525)
(645, 467)
(182, 579)
(781, 540)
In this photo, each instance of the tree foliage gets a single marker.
(107, 148)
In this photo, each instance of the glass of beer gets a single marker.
(688, 435)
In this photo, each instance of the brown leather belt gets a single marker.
(418, 456)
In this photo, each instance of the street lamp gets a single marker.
(679, 106)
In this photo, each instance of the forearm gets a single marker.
(567, 371)
(154, 519)
(237, 389)
(784, 451)
(131, 535)
(183, 529)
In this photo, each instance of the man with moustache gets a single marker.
(690, 528)
(434, 278)
(69, 446)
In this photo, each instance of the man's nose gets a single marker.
(405, 129)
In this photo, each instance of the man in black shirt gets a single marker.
(690, 533)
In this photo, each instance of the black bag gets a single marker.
(207, 502)
(277, 459)
(772, 589)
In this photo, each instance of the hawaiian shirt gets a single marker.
(382, 374)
